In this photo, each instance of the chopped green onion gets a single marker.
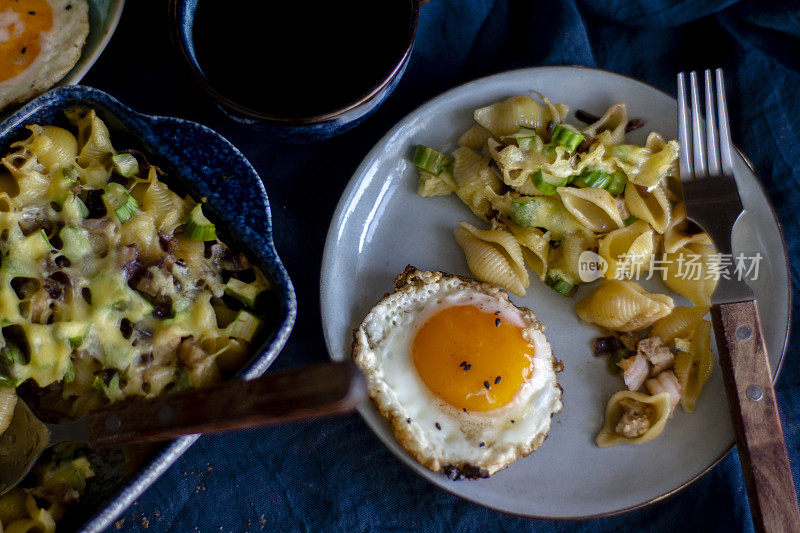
(528, 140)
(110, 390)
(616, 357)
(630, 220)
(567, 136)
(120, 201)
(69, 174)
(182, 383)
(125, 165)
(244, 326)
(10, 356)
(616, 185)
(198, 227)
(244, 292)
(75, 205)
(547, 183)
(630, 153)
(69, 375)
(560, 285)
(430, 160)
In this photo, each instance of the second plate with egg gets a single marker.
(381, 225)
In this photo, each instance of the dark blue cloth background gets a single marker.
(335, 474)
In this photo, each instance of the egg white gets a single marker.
(442, 437)
(61, 48)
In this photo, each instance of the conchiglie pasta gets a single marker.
(628, 250)
(623, 306)
(679, 232)
(53, 147)
(475, 181)
(565, 259)
(8, 401)
(693, 367)
(610, 128)
(656, 408)
(689, 271)
(592, 207)
(94, 141)
(651, 206)
(679, 324)
(504, 118)
(535, 247)
(493, 256)
(647, 165)
(475, 138)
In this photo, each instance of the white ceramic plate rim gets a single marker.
(350, 196)
(86, 62)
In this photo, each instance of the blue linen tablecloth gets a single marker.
(334, 474)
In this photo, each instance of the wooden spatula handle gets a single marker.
(759, 435)
(306, 392)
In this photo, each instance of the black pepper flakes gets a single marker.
(497, 380)
(408, 420)
(464, 365)
(24, 49)
(486, 384)
(512, 421)
(482, 444)
(69, 6)
(31, 12)
(438, 426)
(497, 322)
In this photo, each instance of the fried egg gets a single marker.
(466, 378)
(40, 41)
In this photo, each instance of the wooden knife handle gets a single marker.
(759, 435)
(312, 391)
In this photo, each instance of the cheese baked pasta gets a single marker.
(112, 285)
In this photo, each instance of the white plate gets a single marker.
(381, 225)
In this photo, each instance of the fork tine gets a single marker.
(684, 137)
(711, 128)
(724, 127)
(698, 149)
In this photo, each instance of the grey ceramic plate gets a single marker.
(381, 225)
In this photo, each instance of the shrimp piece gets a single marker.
(666, 382)
(634, 371)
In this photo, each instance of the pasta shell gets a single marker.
(93, 137)
(592, 207)
(628, 250)
(504, 118)
(657, 162)
(566, 258)
(689, 271)
(493, 256)
(53, 147)
(651, 206)
(475, 138)
(475, 181)
(610, 128)
(679, 324)
(536, 247)
(694, 367)
(8, 401)
(659, 408)
(678, 233)
(623, 306)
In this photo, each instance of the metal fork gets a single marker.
(712, 201)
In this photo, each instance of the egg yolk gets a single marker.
(472, 359)
(22, 23)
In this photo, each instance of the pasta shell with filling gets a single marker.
(623, 306)
(693, 367)
(659, 408)
(651, 206)
(628, 250)
(592, 207)
(493, 256)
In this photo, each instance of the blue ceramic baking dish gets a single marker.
(203, 164)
